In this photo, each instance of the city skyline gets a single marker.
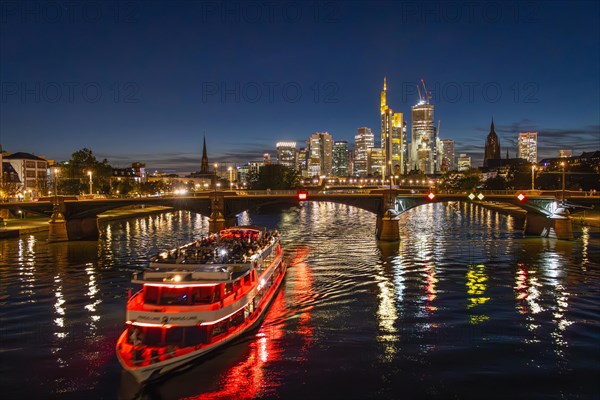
(163, 93)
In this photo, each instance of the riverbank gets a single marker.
(14, 227)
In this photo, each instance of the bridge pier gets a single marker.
(558, 226)
(216, 221)
(562, 224)
(387, 229)
(83, 228)
(57, 226)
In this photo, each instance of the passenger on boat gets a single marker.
(136, 337)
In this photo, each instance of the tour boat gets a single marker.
(198, 297)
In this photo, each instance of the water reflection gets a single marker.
(476, 290)
(462, 283)
(387, 312)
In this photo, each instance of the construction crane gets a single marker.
(427, 94)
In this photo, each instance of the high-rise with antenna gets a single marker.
(392, 137)
(423, 146)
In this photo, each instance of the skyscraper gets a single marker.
(320, 154)
(492, 146)
(363, 141)
(302, 163)
(527, 146)
(448, 155)
(423, 144)
(340, 158)
(393, 134)
(375, 161)
(286, 154)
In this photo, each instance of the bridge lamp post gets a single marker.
(563, 180)
(91, 182)
(55, 183)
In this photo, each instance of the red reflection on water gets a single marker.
(431, 292)
(303, 292)
(247, 379)
(521, 289)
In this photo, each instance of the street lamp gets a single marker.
(55, 183)
(90, 175)
(533, 177)
(563, 180)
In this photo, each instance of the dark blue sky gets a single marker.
(142, 81)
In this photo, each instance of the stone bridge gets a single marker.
(77, 219)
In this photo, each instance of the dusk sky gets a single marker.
(143, 81)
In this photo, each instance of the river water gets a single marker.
(463, 307)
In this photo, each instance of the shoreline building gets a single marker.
(363, 141)
(32, 172)
(527, 146)
(492, 146)
(393, 135)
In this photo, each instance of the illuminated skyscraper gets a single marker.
(320, 154)
(286, 154)
(492, 146)
(527, 146)
(363, 141)
(375, 161)
(448, 155)
(423, 147)
(340, 158)
(393, 134)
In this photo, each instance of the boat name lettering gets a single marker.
(164, 319)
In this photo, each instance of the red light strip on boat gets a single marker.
(172, 286)
(148, 324)
(225, 317)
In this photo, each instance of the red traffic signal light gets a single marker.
(302, 195)
(521, 197)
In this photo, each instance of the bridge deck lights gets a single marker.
(521, 197)
(471, 196)
(480, 196)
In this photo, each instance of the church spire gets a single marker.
(492, 126)
(204, 165)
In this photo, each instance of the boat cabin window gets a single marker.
(174, 296)
(151, 294)
(202, 294)
(228, 289)
(174, 336)
(152, 336)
